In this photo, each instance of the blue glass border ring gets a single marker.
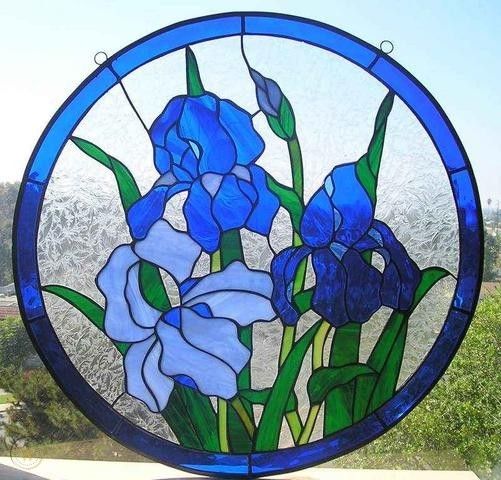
(178, 36)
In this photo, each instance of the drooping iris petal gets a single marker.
(143, 378)
(112, 281)
(352, 202)
(169, 249)
(217, 336)
(363, 287)
(267, 204)
(230, 206)
(329, 297)
(211, 375)
(148, 209)
(401, 274)
(349, 288)
(249, 145)
(283, 271)
(237, 292)
(198, 213)
(199, 123)
(141, 311)
(319, 221)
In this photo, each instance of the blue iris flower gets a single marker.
(208, 147)
(195, 343)
(337, 228)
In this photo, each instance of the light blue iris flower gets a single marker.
(195, 343)
(337, 229)
(208, 147)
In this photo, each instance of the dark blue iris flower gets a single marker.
(208, 147)
(337, 228)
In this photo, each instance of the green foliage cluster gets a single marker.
(8, 195)
(16, 349)
(41, 412)
(492, 256)
(462, 413)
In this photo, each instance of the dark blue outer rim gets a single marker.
(57, 132)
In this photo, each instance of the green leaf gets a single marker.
(260, 397)
(289, 199)
(268, 432)
(386, 357)
(303, 300)
(152, 286)
(283, 125)
(368, 165)
(326, 379)
(193, 81)
(339, 401)
(85, 305)
(127, 187)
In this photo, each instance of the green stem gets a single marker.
(222, 425)
(244, 416)
(317, 360)
(296, 160)
(289, 331)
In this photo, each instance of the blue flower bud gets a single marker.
(269, 95)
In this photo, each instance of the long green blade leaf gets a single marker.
(193, 80)
(268, 433)
(289, 199)
(85, 305)
(386, 357)
(260, 397)
(325, 379)
(369, 163)
(127, 187)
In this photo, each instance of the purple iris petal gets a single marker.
(349, 287)
(283, 272)
(401, 274)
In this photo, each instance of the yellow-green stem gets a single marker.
(309, 425)
(295, 424)
(317, 361)
(215, 261)
(222, 425)
(288, 336)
